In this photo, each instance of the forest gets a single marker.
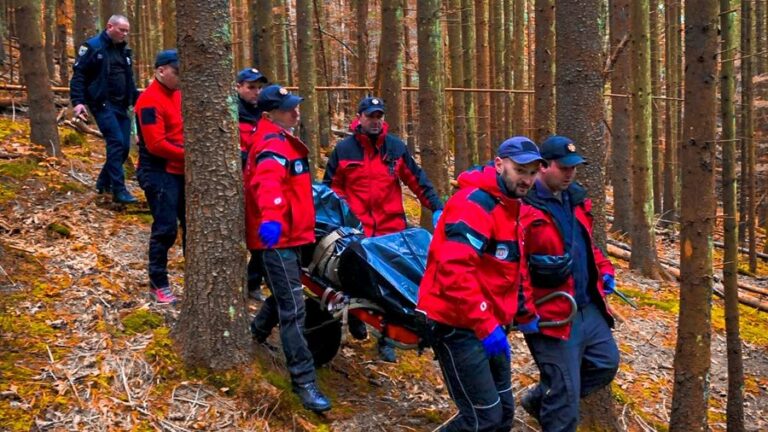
(666, 99)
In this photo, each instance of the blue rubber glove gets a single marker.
(609, 284)
(496, 343)
(436, 217)
(530, 327)
(269, 233)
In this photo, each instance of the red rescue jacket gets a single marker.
(475, 273)
(367, 176)
(278, 187)
(543, 237)
(160, 129)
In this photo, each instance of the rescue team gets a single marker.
(516, 230)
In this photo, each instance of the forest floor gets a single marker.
(82, 347)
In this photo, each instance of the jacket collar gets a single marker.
(539, 193)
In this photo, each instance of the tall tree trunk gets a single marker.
(698, 208)
(672, 80)
(62, 49)
(747, 125)
(42, 113)
(621, 126)
(169, 24)
(656, 148)
(483, 58)
(431, 93)
(307, 78)
(361, 36)
(735, 405)
(212, 330)
(112, 7)
(392, 62)
(469, 49)
(49, 22)
(263, 36)
(508, 71)
(519, 82)
(282, 48)
(408, 130)
(462, 155)
(3, 36)
(644, 257)
(544, 85)
(323, 70)
(496, 47)
(85, 20)
(761, 37)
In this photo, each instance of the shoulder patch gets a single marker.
(82, 50)
(273, 156)
(148, 116)
(460, 232)
(483, 199)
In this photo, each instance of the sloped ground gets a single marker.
(83, 348)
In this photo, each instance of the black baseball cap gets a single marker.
(167, 57)
(562, 150)
(370, 105)
(275, 96)
(250, 74)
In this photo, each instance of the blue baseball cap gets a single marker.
(562, 150)
(251, 74)
(521, 150)
(167, 57)
(275, 96)
(370, 105)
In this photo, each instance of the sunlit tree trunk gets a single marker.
(461, 154)
(392, 62)
(111, 7)
(323, 76)
(469, 49)
(62, 46)
(496, 49)
(483, 59)
(671, 143)
(656, 147)
(747, 126)
(544, 84)
(49, 23)
(307, 78)
(169, 24)
(698, 207)
(519, 82)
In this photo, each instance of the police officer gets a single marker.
(280, 217)
(365, 169)
(473, 286)
(103, 81)
(581, 357)
(161, 167)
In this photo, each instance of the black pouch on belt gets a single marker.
(549, 271)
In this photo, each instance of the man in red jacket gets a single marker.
(280, 218)
(161, 167)
(475, 283)
(581, 357)
(365, 169)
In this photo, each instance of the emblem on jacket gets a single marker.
(298, 167)
(502, 252)
(82, 50)
(128, 59)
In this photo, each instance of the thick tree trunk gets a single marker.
(735, 405)
(470, 77)
(212, 330)
(698, 205)
(169, 24)
(747, 126)
(519, 81)
(461, 160)
(392, 62)
(621, 127)
(307, 78)
(484, 145)
(671, 143)
(643, 234)
(262, 34)
(544, 85)
(62, 46)
(323, 78)
(49, 23)
(282, 48)
(431, 93)
(657, 151)
(42, 113)
(361, 36)
(85, 20)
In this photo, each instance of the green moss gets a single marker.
(7, 192)
(141, 320)
(162, 353)
(660, 300)
(72, 138)
(57, 228)
(72, 187)
(18, 169)
(142, 217)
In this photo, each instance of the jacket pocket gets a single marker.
(550, 271)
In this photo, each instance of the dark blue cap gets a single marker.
(251, 74)
(521, 150)
(275, 96)
(369, 105)
(562, 150)
(167, 57)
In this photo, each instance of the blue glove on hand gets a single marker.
(436, 217)
(496, 343)
(609, 284)
(269, 232)
(530, 327)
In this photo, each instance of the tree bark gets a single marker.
(307, 79)
(698, 206)
(49, 23)
(361, 36)
(519, 81)
(671, 143)
(470, 77)
(282, 47)
(85, 20)
(212, 330)
(735, 404)
(431, 93)
(747, 126)
(62, 47)
(263, 36)
(392, 62)
(324, 79)
(657, 152)
(544, 85)
(643, 235)
(112, 7)
(169, 24)
(621, 127)
(496, 49)
(483, 58)
(461, 161)
(42, 114)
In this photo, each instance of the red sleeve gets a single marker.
(526, 308)
(152, 124)
(334, 177)
(265, 185)
(467, 228)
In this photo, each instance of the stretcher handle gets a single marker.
(562, 322)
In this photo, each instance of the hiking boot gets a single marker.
(311, 397)
(124, 197)
(387, 353)
(256, 294)
(357, 328)
(103, 189)
(164, 295)
(531, 403)
(258, 334)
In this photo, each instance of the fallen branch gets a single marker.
(81, 127)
